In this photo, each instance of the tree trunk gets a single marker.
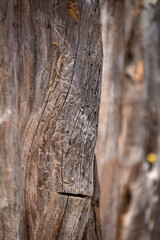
(58, 64)
(130, 120)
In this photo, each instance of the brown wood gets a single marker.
(129, 120)
(51, 68)
(93, 226)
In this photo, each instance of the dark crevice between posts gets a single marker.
(74, 195)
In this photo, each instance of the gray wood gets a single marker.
(60, 62)
(11, 207)
(51, 64)
(93, 227)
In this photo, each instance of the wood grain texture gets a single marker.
(107, 143)
(11, 205)
(60, 62)
(50, 80)
(93, 227)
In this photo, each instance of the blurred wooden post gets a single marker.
(129, 119)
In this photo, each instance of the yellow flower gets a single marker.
(151, 157)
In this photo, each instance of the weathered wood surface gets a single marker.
(11, 207)
(93, 227)
(60, 58)
(50, 69)
(129, 120)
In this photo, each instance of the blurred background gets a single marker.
(128, 146)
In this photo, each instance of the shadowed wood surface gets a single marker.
(93, 227)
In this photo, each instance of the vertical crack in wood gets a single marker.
(62, 218)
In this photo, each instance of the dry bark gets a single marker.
(129, 120)
(58, 62)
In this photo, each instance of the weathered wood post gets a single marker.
(129, 123)
(60, 58)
